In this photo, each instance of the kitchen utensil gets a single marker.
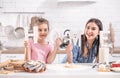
(19, 30)
(9, 32)
(66, 39)
(34, 20)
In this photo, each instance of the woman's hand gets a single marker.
(69, 48)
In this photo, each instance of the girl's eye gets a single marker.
(39, 30)
(45, 29)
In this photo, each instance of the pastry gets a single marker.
(34, 66)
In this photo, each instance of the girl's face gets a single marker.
(91, 31)
(43, 31)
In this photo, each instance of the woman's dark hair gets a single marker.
(97, 22)
(97, 40)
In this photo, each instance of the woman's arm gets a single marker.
(69, 54)
(76, 53)
(72, 54)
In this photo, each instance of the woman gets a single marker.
(88, 52)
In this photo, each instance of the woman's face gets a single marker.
(91, 31)
(43, 31)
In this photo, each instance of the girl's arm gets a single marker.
(52, 54)
(27, 51)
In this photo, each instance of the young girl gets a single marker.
(88, 51)
(42, 50)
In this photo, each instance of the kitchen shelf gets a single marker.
(23, 12)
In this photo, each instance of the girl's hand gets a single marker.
(58, 42)
(26, 44)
